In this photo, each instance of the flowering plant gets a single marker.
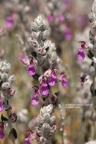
(42, 64)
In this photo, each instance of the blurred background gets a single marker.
(68, 20)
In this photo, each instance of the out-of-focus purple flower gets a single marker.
(65, 82)
(9, 21)
(21, 57)
(63, 79)
(1, 105)
(51, 18)
(24, 60)
(67, 33)
(61, 18)
(27, 140)
(83, 44)
(31, 70)
(82, 21)
(1, 130)
(1, 126)
(1, 135)
(67, 2)
(81, 54)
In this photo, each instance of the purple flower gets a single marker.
(67, 33)
(1, 130)
(67, 2)
(27, 140)
(21, 57)
(52, 80)
(30, 137)
(63, 79)
(83, 44)
(31, 67)
(1, 105)
(31, 70)
(82, 21)
(51, 18)
(81, 54)
(44, 90)
(1, 135)
(44, 87)
(1, 126)
(61, 18)
(35, 99)
(9, 21)
(64, 82)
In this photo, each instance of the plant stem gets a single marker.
(62, 122)
(8, 114)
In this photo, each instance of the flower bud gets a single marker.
(6, 85)
(11, 79)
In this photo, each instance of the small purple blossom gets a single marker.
(64, 82)
(81, 54)
(44, 87)
(35, 99)
(61, 18)
(44, 90)
(31, 70)
(1, 130)
(1, 135)
(83, 45)
(30, 64)
(52, 78)
(67, 2)
(63, 79)
(51, 18)
(1, 105)
(82, 20)
(21, 57)
(9, 21)
(31, 67)
(67, 33)
(30, 137)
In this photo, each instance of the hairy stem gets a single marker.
(62, 122)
